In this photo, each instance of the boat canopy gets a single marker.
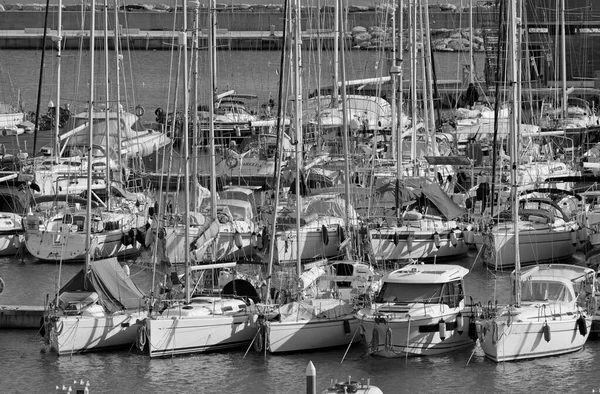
(116, 291)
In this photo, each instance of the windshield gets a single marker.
(409, 293)
(545, 291)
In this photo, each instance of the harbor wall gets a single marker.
(230, 20)
(16, 316)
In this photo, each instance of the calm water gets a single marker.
(26, 365)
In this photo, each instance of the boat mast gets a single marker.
(398, 73)
(88, 208)
(118, 58)
(298, 124)
(212, 69)
(336, 61)
(345, 128)
(563, 58)
(186, 169)
(58, 38)
(56, 126)
(107, 106)
(413, 81)
(195, 192)
(513, 63)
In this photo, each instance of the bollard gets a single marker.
(311, 378)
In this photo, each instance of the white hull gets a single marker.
(503, 340)
(535, 247)
(291, 336)
(310, 242)
(400, 243)
(170, 335)
(76, 334)
(66, 246)
(395, 336)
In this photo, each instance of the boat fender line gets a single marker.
(547, 332)
(347, 329)
(582, 326)
(472, 328)
(409, 243)
(341, 234)
(573, 237)
(460, 324)
(324, 234)
(139, 111)
(442, 329)
(436, 239)
(389, 344)
(591, 306)
(58, 327)
(237, 239)
(141, 337)
(375, 341)
(453, 239)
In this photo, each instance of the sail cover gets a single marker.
(116, 290)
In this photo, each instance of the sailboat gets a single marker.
(100, 307)
(547, 316)
(319, 319)
(206, 319)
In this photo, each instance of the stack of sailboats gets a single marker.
(547, 317)
(100, 307)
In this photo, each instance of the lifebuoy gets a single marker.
(139, 111)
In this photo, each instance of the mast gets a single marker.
(563, 58)
(345, 128)
(514, 131)
(413, 81)
(400, 100)
(88, 208)
(195, 5)
(211, 108)
(118, 58)
(186, 169)
(56, 148)
(471, 78)
(107, 106)
(336, 48)
(298, 124)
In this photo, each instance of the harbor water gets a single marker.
(28, 366)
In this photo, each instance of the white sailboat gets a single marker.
(318, 320)
(547, 316)
(203, 322)
(100, 307)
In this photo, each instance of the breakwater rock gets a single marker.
(442, 40)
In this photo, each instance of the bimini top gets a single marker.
(426, 273)
(558, 272)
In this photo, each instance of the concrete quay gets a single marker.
(33, 38)
(19, 316)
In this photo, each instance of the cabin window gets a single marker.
(409, 293)
(454, 294)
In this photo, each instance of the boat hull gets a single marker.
(78, 334)
(292, 336)
(535, 247)
(505, 340)
(403, 244)
(311, 242)
(414, 336)
(171, 335)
